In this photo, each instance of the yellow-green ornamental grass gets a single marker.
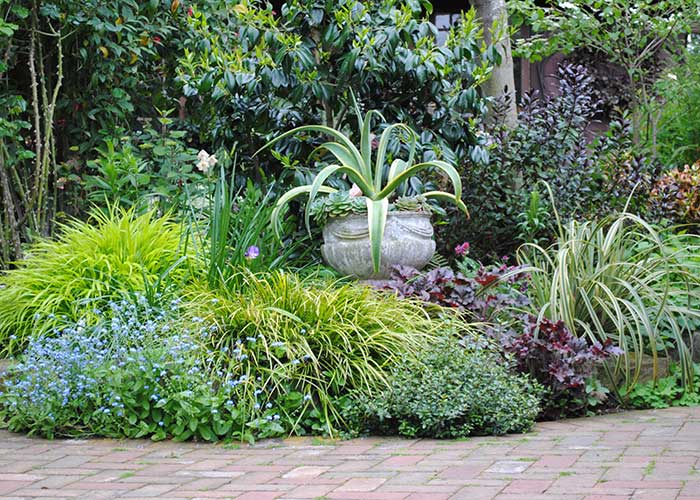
(89, 264)
(316, 337)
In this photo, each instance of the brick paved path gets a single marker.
(649, 454)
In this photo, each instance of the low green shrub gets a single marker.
(450, 391)
(154, 167)
(90, 263)
(317, 338)
(139, 373)
(666, 391)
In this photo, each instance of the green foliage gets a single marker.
(12, 154)
(533, 222)
(616, 279)
(150, 168)
(236, 232)
(17, 203)
(621, 29)
(122, 176)
(320, 339)
(667, 391)
(678, 132)
(89, 264)
(686, 249)
(74, 73)
(13, 125)
(375, 177)
(252, 73)
(450, 391)
(636, 35)
(7, 27)
(130, 48)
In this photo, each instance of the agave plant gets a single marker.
(377, 180)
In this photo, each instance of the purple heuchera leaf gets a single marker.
(448, 288)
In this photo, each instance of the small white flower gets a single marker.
(672, 76)
(206, 161)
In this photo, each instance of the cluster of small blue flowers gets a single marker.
(56, 371)
(138, 372)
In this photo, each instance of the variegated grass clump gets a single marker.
(618, 278)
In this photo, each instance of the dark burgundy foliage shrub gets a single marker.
(447, 288)
(553, 142)
(559, 360)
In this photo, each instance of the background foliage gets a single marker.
(677, 137)
(74, 75)
(298, 66)
(640, 37)
(113, 101)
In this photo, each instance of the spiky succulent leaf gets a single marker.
(376, 219)
(366, 138)
(289, 196)
(441, 195)
(404, 175)
(397, 166)
(382, 147)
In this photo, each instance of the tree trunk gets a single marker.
(501, 85)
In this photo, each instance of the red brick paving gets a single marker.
(635, 455)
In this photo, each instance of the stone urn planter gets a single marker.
(401, 237)
(408, 241)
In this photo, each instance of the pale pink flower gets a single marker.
(355, 191)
